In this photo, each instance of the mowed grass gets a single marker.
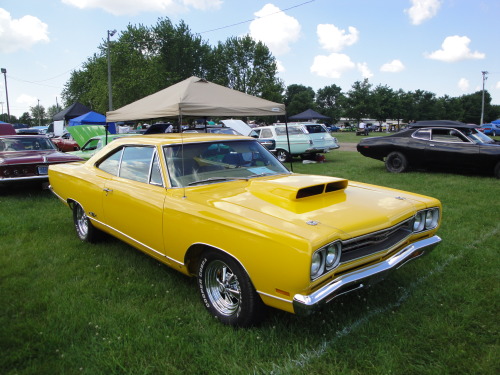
(74, 308)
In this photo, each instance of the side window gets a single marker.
(136, 162)
(155, 177)
(111, 163)
(423, 134)
(447, 135)
(266, 133)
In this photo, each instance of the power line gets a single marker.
(256, 18)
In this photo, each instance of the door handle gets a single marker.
(107, 190)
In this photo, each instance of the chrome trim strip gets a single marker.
(275, 297)
(138, 242)
(304, 304)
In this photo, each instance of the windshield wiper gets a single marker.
(215, 179)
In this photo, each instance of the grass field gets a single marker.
(74, 308)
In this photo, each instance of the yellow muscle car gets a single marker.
(222, 208)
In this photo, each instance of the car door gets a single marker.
(449, 147)
(133, 198)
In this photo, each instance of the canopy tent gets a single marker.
(309, 115)
(196, 97)
(496, 121)
(74, 110)
(88, 118)
(92, 118)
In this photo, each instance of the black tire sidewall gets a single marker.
(284, 153)
(248, 312)
(91, 235)
(390, 160)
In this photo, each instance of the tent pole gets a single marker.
(288, 141)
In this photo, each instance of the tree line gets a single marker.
(146, 59)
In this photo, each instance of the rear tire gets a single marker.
(227, 292)
(84, 228)
(497, 170)
(283, 156)
(396, 162)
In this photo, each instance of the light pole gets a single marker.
(110, 94)
(39, 112)
(484, 73)
(4, 71)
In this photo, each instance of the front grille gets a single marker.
(375, 242)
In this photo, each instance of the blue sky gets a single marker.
(440, 46)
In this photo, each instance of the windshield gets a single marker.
(315, 128)
(210, 162)
(26, 143)
(477, 136)
(281, 130)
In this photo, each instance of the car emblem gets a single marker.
(312, 222)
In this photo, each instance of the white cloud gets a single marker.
(455, 48)
(497, 86)
(133, 7)
(363, 68)
(422, 10)
(26, 100)
(332, 66)
(280, 66)
(22, 33)
(334, 39)
(395, 66)
(277, 32)
(463, 84)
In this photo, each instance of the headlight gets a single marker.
(426, 219)
(418, 223)
(317, 261)
(333, 255)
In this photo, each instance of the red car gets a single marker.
(26, 158)
(65, 143)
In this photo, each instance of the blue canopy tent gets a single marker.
(496, 121)
(92, 118)
(309, 115)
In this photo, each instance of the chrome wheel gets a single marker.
(282, 156)
(223, 288)
(81, 222)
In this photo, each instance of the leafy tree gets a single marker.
(53, 110)
(329, 102)
(359, 103)
(299, 98)
(248, 66)
(26, 119)
(38, 114)
(383, 101)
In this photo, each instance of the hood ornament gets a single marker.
(312, 222)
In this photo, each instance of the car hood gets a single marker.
(82, 133)
(312, 206)
(35, 157)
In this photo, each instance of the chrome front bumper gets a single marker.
(304, 304)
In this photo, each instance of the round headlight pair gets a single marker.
(325, 259)
(425, 220)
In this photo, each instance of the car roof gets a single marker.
(442, 123)
(177, 138)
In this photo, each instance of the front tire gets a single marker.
(497, 170)
(84, 228)
(226, 291)
(283, 156)
(396, 162)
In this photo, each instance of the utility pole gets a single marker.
(110, 94)
(484, 73)
(4, 71)
(38, 112)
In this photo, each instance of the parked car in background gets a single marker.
(94, 144)
(7, 129)
(301, 142)
(65, 143)
(25, 159)
(440, 143)
(223, 209)
(490, 129)
(320, 136)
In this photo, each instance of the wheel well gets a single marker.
(193, 255)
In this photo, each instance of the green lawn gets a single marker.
(74, 308)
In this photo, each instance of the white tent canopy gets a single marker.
(196, 97)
